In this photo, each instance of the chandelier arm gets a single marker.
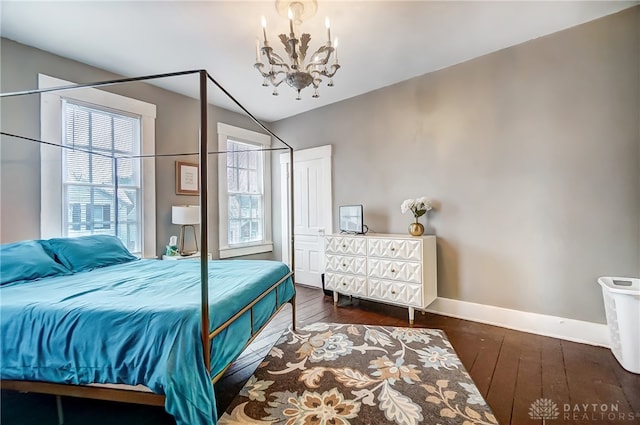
(315, 78)
(279, 68)
(275, 60)
(272, 57)
(272, 75)
(313, 67)
(259, 66)
(334, 68)
(321, 56)
(274, 82)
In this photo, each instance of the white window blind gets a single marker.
(90, 201)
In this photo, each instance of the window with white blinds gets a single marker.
(78, 182)
(244, 192)
(89, 179)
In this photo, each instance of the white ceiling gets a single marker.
(381, 42)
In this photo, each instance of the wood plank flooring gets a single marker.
(511, 369)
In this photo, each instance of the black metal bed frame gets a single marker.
(144, 397)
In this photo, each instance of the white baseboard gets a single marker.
(552, 326)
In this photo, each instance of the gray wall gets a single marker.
(532, 155)
(177, 129)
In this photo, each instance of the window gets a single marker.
(88, 180)
(244, 191)
(78, 189)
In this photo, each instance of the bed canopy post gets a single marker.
(292, 224)
(204, 225)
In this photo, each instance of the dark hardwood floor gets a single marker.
(511, 369)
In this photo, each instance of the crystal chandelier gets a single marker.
(295, 72)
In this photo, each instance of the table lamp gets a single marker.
(186, 216)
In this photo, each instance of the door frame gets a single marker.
(320, 152)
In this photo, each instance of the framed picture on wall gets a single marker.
(187, 178)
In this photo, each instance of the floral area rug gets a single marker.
(343, 374)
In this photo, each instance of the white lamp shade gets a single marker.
(185, 214)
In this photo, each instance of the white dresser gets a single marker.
(394, 269)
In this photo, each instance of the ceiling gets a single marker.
(381, 42)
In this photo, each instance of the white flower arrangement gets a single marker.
(418, 207)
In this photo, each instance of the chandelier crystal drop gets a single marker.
(296, 72)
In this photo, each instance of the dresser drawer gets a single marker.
(395, 248)
(346, 284)
(346, 264)
(394, 270)
(349, 245)
(396, 292)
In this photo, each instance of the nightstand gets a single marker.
(195, 256)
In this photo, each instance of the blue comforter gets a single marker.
(135, 323)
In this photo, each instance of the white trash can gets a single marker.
(622, 305)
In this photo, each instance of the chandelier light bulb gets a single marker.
(290, 15)
(264, 29)
(327, 23)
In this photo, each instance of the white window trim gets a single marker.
(51, 208)
(226, 131)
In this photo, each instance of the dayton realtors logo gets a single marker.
(546, 409)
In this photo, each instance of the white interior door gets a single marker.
(312, 211)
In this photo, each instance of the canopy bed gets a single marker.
(83, 317)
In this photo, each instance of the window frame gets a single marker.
(263, 141)
(52, 208)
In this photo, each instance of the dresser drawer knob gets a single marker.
(393, 292)
(393, 270)
(393, 249)
(344, 284)
(344, 265)
(344, 246)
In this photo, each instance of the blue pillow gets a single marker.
(27, 260)
(90, 252)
